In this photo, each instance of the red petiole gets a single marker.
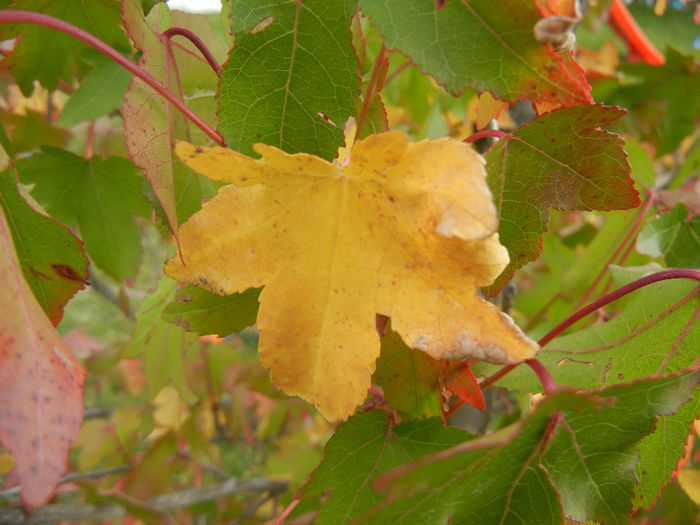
(675, 273)
(27, 17)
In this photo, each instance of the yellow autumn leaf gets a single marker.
(406, 230)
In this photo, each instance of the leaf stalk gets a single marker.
(28, 17)
(674, 273)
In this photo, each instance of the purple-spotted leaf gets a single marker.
(41, 384)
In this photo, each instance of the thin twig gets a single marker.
(163, 503)
(373, 87)
(74, 31)
(169, 33)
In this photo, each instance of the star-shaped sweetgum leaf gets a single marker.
(405, 230)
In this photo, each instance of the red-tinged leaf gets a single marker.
(150, 122)
(468, 43)
(51, 257)
(459, 381)
(41, 384)
(561, 160)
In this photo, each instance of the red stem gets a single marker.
(548, 383)
(621, 20)
(637, 223)
(499, 134)
(675, 273)
(280, 519)
(189, 35)
(59, 25)
(374, 85)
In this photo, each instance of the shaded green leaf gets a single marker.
(100, 194)
(291, 79)
(496, 477)
(365, 447)
(100, 93)
(560, 160)
(673, 235)
(198, 310)
(52, 259)
(592, 456)
(162, 345)
(408, 379)
(468, 43)
(48, 55)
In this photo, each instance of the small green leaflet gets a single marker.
(100, 93)
(408, 379)
(292, 78)
(203, 312)
(100, 195)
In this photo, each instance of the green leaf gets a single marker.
(673, 90)
(496, 478)
(365, 447)
(643, 170)
(661, 452)
(648, 337)
(408, 379)
(191, 189)
(592, 457)
(48, 55)
(673, 235)
(161, 344)
(293, 64)
(560, 160)
(198, 310)
(100, 93)
(100, 194)
(469, 43)
(52, 259)
(150, 121)
(656, 333)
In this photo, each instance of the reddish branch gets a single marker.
(664, 275)
(376, 81)
(630, 235)
(622, 22)
(8, 16)
(169, 33)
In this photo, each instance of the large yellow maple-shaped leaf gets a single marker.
(406, 230)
